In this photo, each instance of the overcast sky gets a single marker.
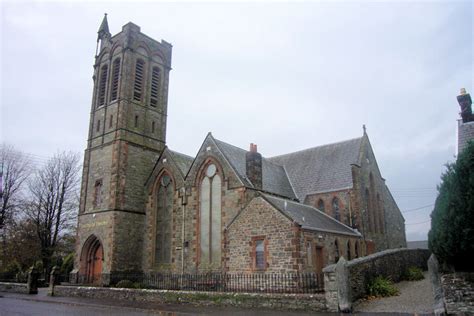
(286, 76)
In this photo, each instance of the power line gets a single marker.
(418, 208)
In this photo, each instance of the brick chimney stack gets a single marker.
(253, 163)
(465, 102)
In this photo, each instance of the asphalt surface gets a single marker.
(416, 297)
(41, 304)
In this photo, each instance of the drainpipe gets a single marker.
(183, 206)
(350, 209)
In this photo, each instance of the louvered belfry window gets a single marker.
(155, 86)
(102, 84)
(115, 79)
(139, 76)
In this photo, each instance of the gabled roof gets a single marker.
(309, 217)
(183, 162)
(275, 179)
(321, 169)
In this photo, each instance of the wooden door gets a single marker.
(95, 269)
(319, 260)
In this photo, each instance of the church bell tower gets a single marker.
(127, 132)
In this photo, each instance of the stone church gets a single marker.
(145, 207)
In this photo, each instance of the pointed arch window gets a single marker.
(210, 217)
(348, 250)
(139, 78)
(164, 215)
(335, 208)
(115, 80)
(373, 205)
(321, 205)
(336, 251)
(381, 216)
(369, 210)
(155, 86)
(102, 84)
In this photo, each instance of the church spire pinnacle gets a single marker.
(103, 29)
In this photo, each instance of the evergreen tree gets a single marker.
(451, 237)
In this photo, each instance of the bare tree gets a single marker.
(53, 202)
(15, 168)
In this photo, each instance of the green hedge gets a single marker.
(451, 237)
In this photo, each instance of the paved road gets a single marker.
(415, 297)
(22, 304)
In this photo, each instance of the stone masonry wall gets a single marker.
(465, 134)
(302, 302)
(171, 169)
(14, 287)
(260, 219)
(458, 291)
(380, 212)
(234, 198)
(327, 198)
(328, 244)
(390, 264)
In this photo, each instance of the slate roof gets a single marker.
(182, 161)
(275, 179)
(309, 217)
(321, 169)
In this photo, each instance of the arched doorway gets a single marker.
(92, 258)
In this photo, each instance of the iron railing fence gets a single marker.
(13, 277)
(216, 282)
(63, 278)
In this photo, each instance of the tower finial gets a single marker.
(364, 129)
(103, 29)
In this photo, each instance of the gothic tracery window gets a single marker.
(210, 216)
(335, 208)
(164, 216)
(321, 205)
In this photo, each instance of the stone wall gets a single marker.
(465, 134)
(375, 217)
(458, 291)
(14, 287)
(359, 272)
(306, 302)
(261, 220)
(327, 198)
(327, 244)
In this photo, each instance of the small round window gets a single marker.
(211, 170)
(165, 180)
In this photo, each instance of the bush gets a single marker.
(413, 274)
(13, 267)
(381, 287)
(452, 234)
(68, 264)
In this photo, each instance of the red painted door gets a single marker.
(97, 265)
